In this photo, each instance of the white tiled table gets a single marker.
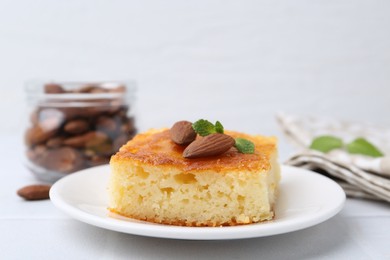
(37, 230)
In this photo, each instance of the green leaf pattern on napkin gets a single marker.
(327, 143)
(362, 146)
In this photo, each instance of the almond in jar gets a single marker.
(75, 125)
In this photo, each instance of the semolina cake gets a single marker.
(151, 180)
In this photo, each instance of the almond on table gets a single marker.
(34, 192)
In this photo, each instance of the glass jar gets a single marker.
(75, 125)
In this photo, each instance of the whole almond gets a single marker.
(211, 145)
(77, 126)
(63, 160)
(34, 192)
(182, 133)
(85, 139)
(53, 88)
(90, 88)
(118, 89)
(36, 135)
(55, 142)
(107, 124)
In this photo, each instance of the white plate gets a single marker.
(305, 199)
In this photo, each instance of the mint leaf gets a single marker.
(244, 145)
(362, 146)
(219, 127)
(326, 143)
(204, 127)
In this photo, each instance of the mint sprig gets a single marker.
(327, 143)
(244, 145)
(219, 127)
(204, 128)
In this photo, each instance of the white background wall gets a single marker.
(235, 61)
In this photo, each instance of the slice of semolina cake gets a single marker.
(151, 180)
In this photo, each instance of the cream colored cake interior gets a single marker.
(167, 195)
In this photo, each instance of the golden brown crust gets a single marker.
(156, 148)
(179, 222)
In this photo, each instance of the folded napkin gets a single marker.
(360, 176)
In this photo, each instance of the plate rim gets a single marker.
(148, 229)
